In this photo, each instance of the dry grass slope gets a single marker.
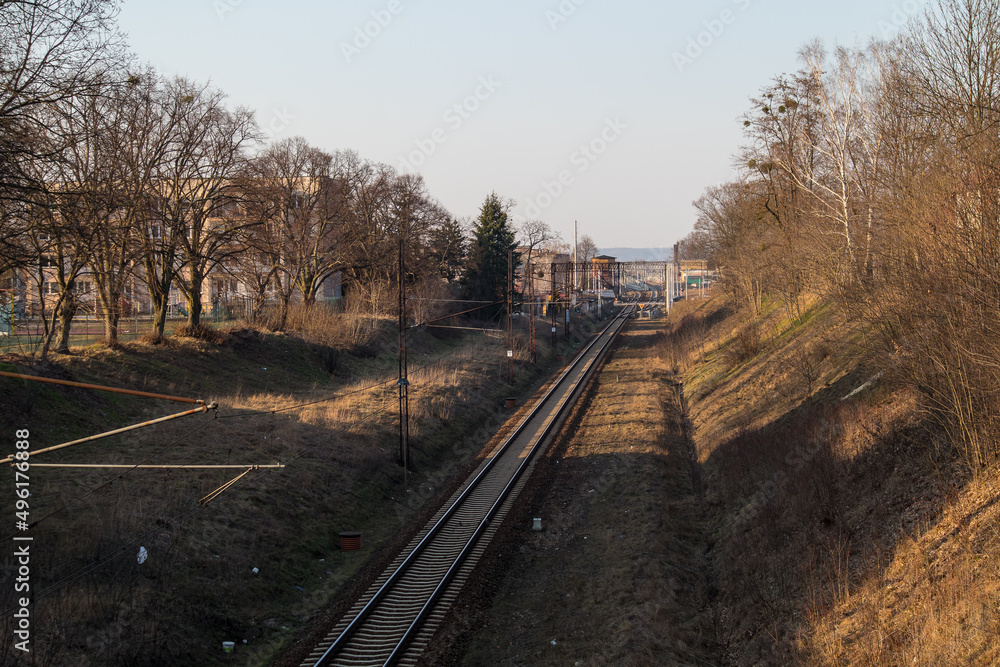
(847, 530)
(198, 587)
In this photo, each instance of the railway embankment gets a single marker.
(257, 563)
(803, 510)
(844, 527)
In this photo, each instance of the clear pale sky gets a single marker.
(534, 83)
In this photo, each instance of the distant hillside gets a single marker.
(639, 254)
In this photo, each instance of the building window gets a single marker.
(226, 286)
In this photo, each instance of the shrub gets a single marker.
(201, 332)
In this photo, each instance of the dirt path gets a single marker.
(617, 576)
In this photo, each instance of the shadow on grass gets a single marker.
(813, 504)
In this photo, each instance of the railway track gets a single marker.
(395, 619)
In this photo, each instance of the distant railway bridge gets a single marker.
(654, 280)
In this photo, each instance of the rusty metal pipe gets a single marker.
(97, 387)
(248, 466)
(126, 429)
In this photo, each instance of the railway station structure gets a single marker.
(643, 280)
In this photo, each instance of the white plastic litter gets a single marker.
(143, 555)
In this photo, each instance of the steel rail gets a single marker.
(487, 520)
(387, 586)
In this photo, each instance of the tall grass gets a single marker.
(328, 325)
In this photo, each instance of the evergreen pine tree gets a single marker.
(486, 278)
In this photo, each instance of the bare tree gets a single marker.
(849, 147)
(300, 198)
(60, 242)
(260, 250)
(417, 219)
(193, 223)
(371, 227)
(52, 50)
(533, 234)
(98, 185)
(782, 129)
(63, 207)
(935, 310)
(809, 144)
(586, 250)
(417, 215)
(953, 70)
(128, 141)
(730, 218)
(878, 170)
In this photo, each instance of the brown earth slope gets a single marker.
(845, 529)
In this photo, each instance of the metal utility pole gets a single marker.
(531, 311)
(666, 288)
(403, 383)
(677, 264)
(510, 308)
(552, 318)
(576, 257)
